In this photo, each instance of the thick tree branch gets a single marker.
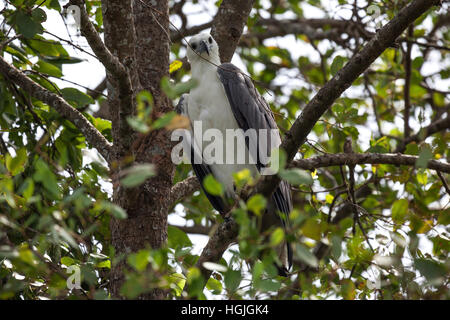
(314, 29)
(98, 90)
(197, 229)
(177, 35)
(93, 136)
(110, 62)
(219, 241)
(183, 189)
(338, 159)
(122, 82)
(228, 25)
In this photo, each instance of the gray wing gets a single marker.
(201, 170)
(252, 111)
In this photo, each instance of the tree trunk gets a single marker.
(141, 43)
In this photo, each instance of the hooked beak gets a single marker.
(203, 47)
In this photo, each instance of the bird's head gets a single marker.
(201, 47)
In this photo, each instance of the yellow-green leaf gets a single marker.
(174, 66)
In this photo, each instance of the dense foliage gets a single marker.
(55, 192)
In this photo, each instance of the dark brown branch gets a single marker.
(406, 88)
(98, 90)
(218, 242)
(93, 136)
(197, 229)
(314, 29)
(444, 182)
(338, 159)
(119, 38)
(111, 62)
(435, 127)
(228, 25)
(118, 70)
(176, 35)
(183, 189)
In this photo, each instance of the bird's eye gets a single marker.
(210, 40)
(194, 46)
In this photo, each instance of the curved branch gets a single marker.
(218, 242)
(93, 136)
(435, 127)
(183, 189)
(109, 61)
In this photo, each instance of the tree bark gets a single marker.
(141, 44)
(229, 25)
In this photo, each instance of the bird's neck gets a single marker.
(202, 67)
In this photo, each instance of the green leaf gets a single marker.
(49, 69)
(104, 264)
(399, 210)
(276, 237)
(424, 156)
(417, 91)
(115, 210)
(138, 124)
(296, 176)
(49, 48)
(16, 165)
(336, 246)
(214, 285)
(39, 15)
(422, 177)
(195, 282)
(348, 289)
(63, 60)
(337, 64)
(80, 99)
(174, 66)
(329, 198)
(232, 279)
(28, 188)
(53, 4)
(311, 229)
(431, 270)
(257, 203)
(177, 281)
(137, 175)
(139, 260)
(28, 26)
(63, 234)
(44, 175)
(174, 90)
(177, 238)
(68, 261)
(212, 186)
(305, 255)
(163, 120)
